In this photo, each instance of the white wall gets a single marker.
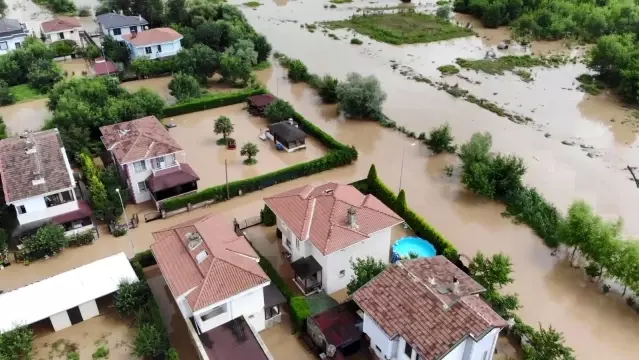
(11, 43)
(168, 49)
(249, 303)
(378, 338)
(485, 346)
(89, 310)
(60, 320)
(124, 30)
(296, 252)
(68, 35)
(37, 210)
(466, 350)
(134, 178)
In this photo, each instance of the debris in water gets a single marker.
(568, 142)
(547, 135)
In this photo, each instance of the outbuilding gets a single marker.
(287, 135)
(257, 104)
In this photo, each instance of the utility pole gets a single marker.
(226, 174)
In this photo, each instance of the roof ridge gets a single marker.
(472, 308)
(308, 219)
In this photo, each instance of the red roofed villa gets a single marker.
(428, 309)
(62, 28)
(324, 227)
(153, 43)
(147, 157)
(218, 285)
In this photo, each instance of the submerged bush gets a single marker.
(361, 96)
(441, 140)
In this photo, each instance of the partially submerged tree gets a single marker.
(224, 126)
(149, 342)
(547, 344)
(236, 63)
(279, 110)
(249, 150)
(327, 89)
(297, 71)
(363, 271)
(131, 297)
(361, 97)
(184, 87)
(48, 241)
(200, 61)
(491, 272)
(441, 140)
(17, 344)
(6, 97)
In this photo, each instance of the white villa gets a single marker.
(117, 25)
(428, 309)
(218, 285)
(62, 28)
(12, 35)
(148, 159)
(154, 43)
(325, 227)
(37, 180)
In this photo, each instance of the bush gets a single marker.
(213, 101)
(448, 69)
(43, 74)
(172, 354)
(63, 47)
(356, 41)
(119, 231)
(144, 67)
(279, 110)
(84, 11)
(299, 312)
(6, 97)
(48, 241)
(101, 353)
(16, 344)
(441, 140)
(361, 96)
(184, 87)
(144, 258)
(443, 12)
(297, 71)
(131, 297)
(84, 238)
(327, 89)
(268, 216)
(73, 356)
(149, 342)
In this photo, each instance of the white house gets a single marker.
(327, 226)
(428, 309)
(149, 159)
(62, 28)
(12, 35)
(37, 180)
(217, 282)
(116, 25)
(154, 43)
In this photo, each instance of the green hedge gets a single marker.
(212, 101)
(272, 273)
(339, 155)
(299, 312)
(268, 216)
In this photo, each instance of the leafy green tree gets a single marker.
(176, 11)
(43, 74)
(64, 47)
(92, 52)
(612, 54)
(3, 8)
(372, 175)
(249, 150)
(6, 97)
(625, 266)
(504, 305)
(547, 345)
(49, 240)
(149, 342)
(10, 71)
(236, 63)
(493, 272)
(4, 246)
(443, 12)
(279, 110)
(577, 227)
(327, 89)
(17, 344)
(200, 61)
(184, 87)
(263, 48)
(297, 71)
(131, 297)
(268, 216)
(224, 126)
(441, 140)
(115, 51)
(363, 271)
(78, 140)
(361, 96)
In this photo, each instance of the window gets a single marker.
(219, 310)
(61, 35)
(139, 166)
(133, 29)
(342, 273)
(148, 50)
(378, 349)
(21, 209)
(3, 45)
(297, 243)
(117, 32)
(159, 48)
(18, 45)
(58, 199)
(288, 243)
(408, 350)
(142, 186)
(170, 160)
(158, 163)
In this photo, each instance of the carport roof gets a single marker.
(42, 299)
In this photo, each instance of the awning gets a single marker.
(286, 131)
(273, 296)
(84, 211)
(42, 299)
(171, 177)
(305, 267)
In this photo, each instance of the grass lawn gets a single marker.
(406, 27)
(509, 63)
(252, 4)
(25, 92)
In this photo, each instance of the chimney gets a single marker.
(455, 287)
(352, 219)
(194, 240)
(37, 179)
(140, 17)
(121, 12)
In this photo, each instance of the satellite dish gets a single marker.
(330, 351)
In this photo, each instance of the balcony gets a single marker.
(59, 198)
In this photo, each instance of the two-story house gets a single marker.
(149, 159)
(428, 309)
(116, 25)
(218, 285)
(325, 227)
(62, 28)
(37, 180)
(154, 43)
(12, 35)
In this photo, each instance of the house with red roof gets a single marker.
(218, 285)
(325, 227)
(62, 28)
(428, 309)
(149, 159)
(153, 43)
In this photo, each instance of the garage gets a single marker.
(65, 299)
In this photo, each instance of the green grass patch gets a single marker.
(356, 41)
(525, 75)
(405, 27)
(442, 3)
(590, 84)
(252, 4)
(448, 69)
(341, 1)
(25, 92)
(223, 141)
(262, 66)
(509, 63)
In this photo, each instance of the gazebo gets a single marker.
(287, 135)
(257, 104)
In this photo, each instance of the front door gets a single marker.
(74, 315)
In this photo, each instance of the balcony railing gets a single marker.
(156, 169)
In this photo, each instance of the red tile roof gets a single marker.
(410, 298)
(60, 23)
(230, 268)
(139, 139)
(103, 67)
(319, 214)
(18, 168)
(152, 36)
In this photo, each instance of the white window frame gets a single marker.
(4, 45)
(142, 186)
(118, 30)
(139, 166)
(21, 209)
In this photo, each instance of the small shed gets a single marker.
(287, 135)
(339, 326)
(257, 104)
(103, 67)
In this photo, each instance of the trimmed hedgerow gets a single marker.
(213, 101)
(277, 279)
(299, 312)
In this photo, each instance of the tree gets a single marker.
(131, 297)
(77, 140)
(200, 61)
(443, 12)
(176, 11)
(4, 246)
(441, 140)
(547, 345)
(224, 126)
(184, 87)
(268, 216)
(625, 265)
(250, 150)
(263, 48)
(504, 305)
(361, 96)
(3, 129)
(149, 342)
(64, 47)
(10, 71)
(492, 273)
(115, 51)
(327, 89)
(297, 71)
(48, 241)
(17, 344)
(363, 271)
(3, 8)
(92, 52)
(400, 204)
(43, 74)
(236, 63)
(6, 97)
(372, 175)
(612, 54)
(279, 110)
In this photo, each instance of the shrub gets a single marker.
(149, 342)
(144, 67)
(327, 89)
(356, 41)
(364, 270)
(443, 12)
(361, 96)
(101, 353)
(279, 110)
(84, 238)
(268, 216)
(6, 97)
(275, 276)
(172, 354)
(184, 87)
(131, 297)
(119, 231)
(224, 126)
(16, 344)
(441, 140)
(144, 258)
(299, 312)
(48, 241)
(73, 356)
(249, 150)
(213, 101)
(297, 71)
(63, 47)
(4, 245)
(448, 69)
